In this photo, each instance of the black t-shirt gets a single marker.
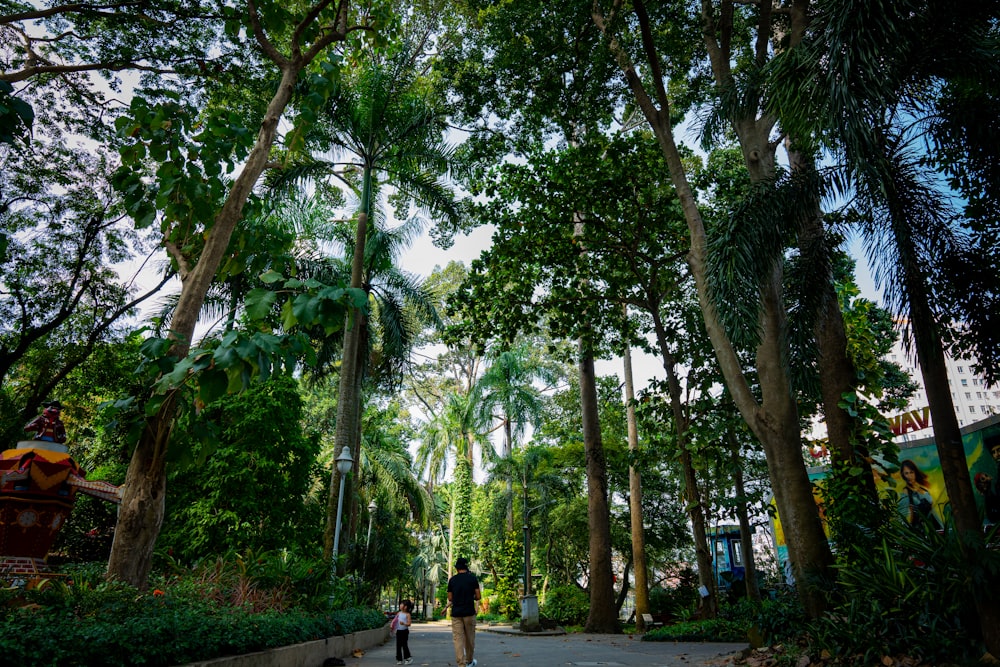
(463, 587)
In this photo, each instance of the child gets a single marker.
(403, 620)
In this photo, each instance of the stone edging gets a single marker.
(308, 654)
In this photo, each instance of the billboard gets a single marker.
(918, 483)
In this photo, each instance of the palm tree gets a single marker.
(506, 394)
(429, 567)
(380, 127)
(873, 97)
(452, 435)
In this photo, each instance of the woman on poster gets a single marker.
(916, 504)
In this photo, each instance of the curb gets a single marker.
(308, 654)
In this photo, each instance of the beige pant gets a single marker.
(463, 634)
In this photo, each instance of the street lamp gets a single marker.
(344, 464)
(371, 515)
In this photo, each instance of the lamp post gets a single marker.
(344, 464)
(371, 515)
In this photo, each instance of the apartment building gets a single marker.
(973, 400)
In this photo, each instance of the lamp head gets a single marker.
(344, 460)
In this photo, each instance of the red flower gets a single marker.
(158, 593)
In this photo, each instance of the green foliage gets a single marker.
(773, 620)
(566, 605)
(708, 630)
(676, 600)
(914, 594)
(195, 151)
(510, 568)
(215, 504)
(266, 580)
(86, 621)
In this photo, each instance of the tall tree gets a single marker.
(506, 394)
(774, 419)
(291, 40)
(382, 127)
(869, 112)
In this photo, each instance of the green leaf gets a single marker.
(213, 385)
(259, 302)
(271, 276)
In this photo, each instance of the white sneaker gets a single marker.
(473, 663)
(408, 661)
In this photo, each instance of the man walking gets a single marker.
(463, 592)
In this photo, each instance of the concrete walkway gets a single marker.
(430, 644)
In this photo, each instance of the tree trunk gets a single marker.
(692, 494)
(623, 593)
(703, 553)
(141, 513)
(746, 532)
(602, 617)
(836, 372)
(635, 498)
(778, 429)
(775, 420)
(951, 452)
(349, 392)
(508, 449)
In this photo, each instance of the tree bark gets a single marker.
(603, 617)
(692, 494)
(951, 451)
(746, 531)
(141, 513)
(836, 372)
(635, 497)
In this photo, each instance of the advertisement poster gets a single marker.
(918, 484)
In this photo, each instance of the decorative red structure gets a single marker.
(39, 481)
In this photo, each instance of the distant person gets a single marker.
(463, 593)
(916, 504)
(403, 620)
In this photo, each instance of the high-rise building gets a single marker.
(973, 400)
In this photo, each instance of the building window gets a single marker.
(972, 408)
(968, 395)
(975, 381)
(961, 369)
(965, 383)
(737, 554)
(979, 394)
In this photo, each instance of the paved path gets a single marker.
(430, 644)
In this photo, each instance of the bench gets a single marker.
(647, 619)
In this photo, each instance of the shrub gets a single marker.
(709, 630)
(914, 596)
(675, 600)
(567, 605)
(86, 621)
